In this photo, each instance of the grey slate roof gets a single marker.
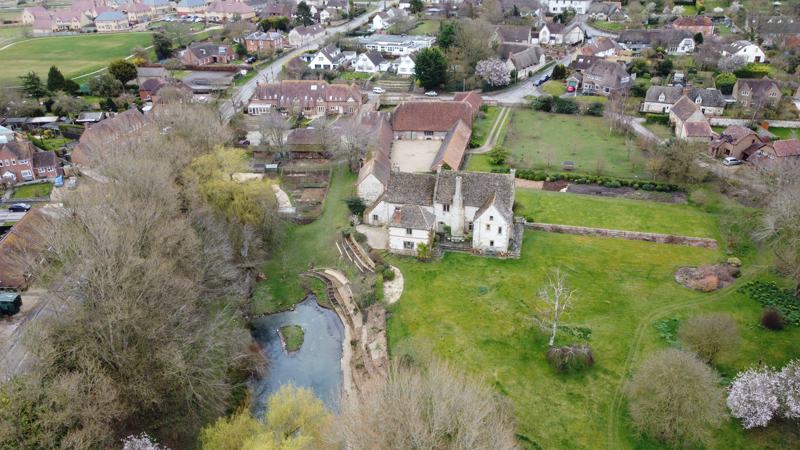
(514, 33)
(709, 97)
(410, 188)
(412, 216)
(476, 188)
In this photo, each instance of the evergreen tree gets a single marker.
(304, 16)
(123, 70)
(447, 34)
(416, 6)
(162, 45)
(33, 86)
(431, 67)
(55, 80)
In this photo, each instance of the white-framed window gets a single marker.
(51, 169)
(40, 170)
(499, 230)
(446, 208)
(408, 245)
(491, 218)
(26, 173)
(409, 231)
(23, 161)
(13, 162)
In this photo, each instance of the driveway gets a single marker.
(377, 237)
(415, 155)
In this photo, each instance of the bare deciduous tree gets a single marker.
(273, 127)
(557, 298)
(781, 221)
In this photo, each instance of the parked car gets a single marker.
(432, 94)
(10, 303)
(570, 88)
(378, 90)
(731, 161)
(19, 207)
(250, 59)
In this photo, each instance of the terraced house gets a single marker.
(21, 161)
(312, 98)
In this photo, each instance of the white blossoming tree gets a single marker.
(754, 397)
(141, 442)
(494, 72)
(789, 380)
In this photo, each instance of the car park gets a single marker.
(19, 207)
(731, 161)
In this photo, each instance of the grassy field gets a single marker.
(12, 34)
(660, 130)
(533, 137)
(476, 313)
(554, 88)
(483, 126)
(304, 245)
(33, 190)
(615, 213)
(426, 27)
(292, 336)
(785, 133)
(74, 55)
(613, 27)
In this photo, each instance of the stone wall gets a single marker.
(726, 122)
(622, 234)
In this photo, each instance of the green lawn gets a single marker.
(51, 144)
(12, 34)
(483, 126)
(533, 137)
(660, 130)
(476, 313)
(293, 337)
(74, 55)
(304, 245)
(785, 133)
(615, 213)
(613, 27)
(426, 27)
(554, 88)
(33, 190)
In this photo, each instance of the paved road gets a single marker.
(516, 94)
(270, 73)
(8, 216)
(591, 31)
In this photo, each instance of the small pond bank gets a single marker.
(316, 365)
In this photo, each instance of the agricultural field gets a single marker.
(477, 314)
(535, 139)
(74, 55)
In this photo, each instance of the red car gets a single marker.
(570, 88)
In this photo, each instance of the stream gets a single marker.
(317, 365)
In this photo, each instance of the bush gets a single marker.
(595, 109)
(498, 156)
(570, 358)
(543, 103)
(769, 295)
(676, 398)
(662, 119)
(772, 319)
(388, 274)
(725, 82)
(356, 205)
(359, 237)
(565, 106)
(709, 335)
(753, 70)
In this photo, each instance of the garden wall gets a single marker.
(726, 122)
(622, 234)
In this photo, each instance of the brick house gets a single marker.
(310, 97)
(203, 53)
(695, 24)
(736, 141)
(260, 41)
(756, 92)
(21, 161)
(112, 21)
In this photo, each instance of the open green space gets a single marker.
(426, 27)
(785, 133)
(74, 55)
(613, 27)
(477, 313)
(554, 88)
(615, 213)
(50, 144)
(292, 337)
(537, 139)
(12, 34)
(33, 190)
(483, 125)
(660, 130)
(304, 245)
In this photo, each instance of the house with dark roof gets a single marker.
(300, 36)
(526, 62)
(605, 77)
(659, 99)
(513, 34)
(772, 28)
(690, 124)
(695, 24)
(371, 62)
(675, 42)
(204, 53)
(756, 92)
(607, 12)
(311, 97)
(424, 119)
(110, 21)
(278, 9)
(736, 141)
(476, 207)
(583, 62)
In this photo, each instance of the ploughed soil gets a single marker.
(624, 192)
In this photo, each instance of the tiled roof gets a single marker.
(112, 16)
(99, 137)
(697, 129)
(453, 147)
(514, 33)
(787, 147)
(230, 7)
(709, 97)
(305, 137)
(44, 159)
(472, 97)
(476, 188)
(693, 21)
(306, 92)
(684, 108)
(583, 62)
(406, 188)
(19, 246)
(430, 115)
(412, 216)
(20, 149)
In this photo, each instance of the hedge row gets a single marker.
(577, 178)
(663, 119)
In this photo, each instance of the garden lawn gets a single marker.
(426, 27)
(660, 130)
(613, 27)
(785, 133)
(303, 245)
(74, 55)
(554, 88)
(12, 34)
(534, 136)
(615, 213)
(33, 190)
(476, 313)
(483, 126)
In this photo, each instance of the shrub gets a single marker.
(565, 106)
(772, 319)
(753, 70)
(570, 358)
(595, 109)
(356, 205)
(543, 103)
(497, 156)
(388, 274)
(709, 335)
(725, 82)
(676, 398)
(359, 237)
(662, 119)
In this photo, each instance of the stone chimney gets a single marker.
(457, 212)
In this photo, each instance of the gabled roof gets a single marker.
(709, 97)
(697, 129)
(306, 92)
(20, 149)
(608, 73)
(44, 159)
(204, 49)
(453, 147)
(758, 87)
(151, 72)
(683, 108)
(192, 4)
(666, 36)
(583, 62)
(506, 49)
(19, 247)
(412, 216)
(111, 16)
(309, 30)
(526, 58)
(305, 137)
(430, 115)
(472, 97)
(787, 148)
(407, 188)
(99, 137)
(601, 44)
(693, 21)
(514, 33)
(554, 27)
(477, 188)
(230, 7)
(374, 57)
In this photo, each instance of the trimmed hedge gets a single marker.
(577, 178)
(662, 119)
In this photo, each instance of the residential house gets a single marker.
(144, 73)
(261, 41)
(756, 92)
(560, 6)
(32, 13)
(454, 146)
(158, 7)
(229, 10)
(204, 53)
(675, 42)
(138, 12)
(72, 18)
(736, 141)
(607, 12)
(278, 9)
(105, 136)
(149, 89)
(385, 19)
(689, 122)
(21, 250)
(553, 33)
(526, 62)
(328, 58)
(394, 45)
(513, 34)
(526, 8)
(772, 29)
(695, 24)
(583, 62)
(605, 77)
(111, 21)
(405, 65)
(472, 97)
(371, 62)
(310, 97)
(430, 119)
(373, 177)
(471, 206)
(751, 53)
(659, 99)
(772, 156)
(192, 8)
(303, 35)
(22, 161)
(602, 47)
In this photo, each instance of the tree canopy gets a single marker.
(431, 67)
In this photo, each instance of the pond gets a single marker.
(317, 365)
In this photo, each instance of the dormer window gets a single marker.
(662, 97)
(698, 100)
